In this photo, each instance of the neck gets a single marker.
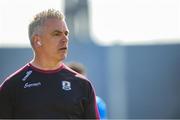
(45, 64)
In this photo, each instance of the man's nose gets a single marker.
(65, 38)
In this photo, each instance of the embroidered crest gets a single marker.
(66, 85)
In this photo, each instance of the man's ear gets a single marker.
(39, 42)
(36, 41)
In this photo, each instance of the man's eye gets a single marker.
(56, 34)
(66, 33)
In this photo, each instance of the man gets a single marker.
(78, 67)
(46, 87)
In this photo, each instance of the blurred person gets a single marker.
(79, 68)
(45, 87)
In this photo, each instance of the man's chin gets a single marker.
(62, 57)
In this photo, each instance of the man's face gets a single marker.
(54, 39)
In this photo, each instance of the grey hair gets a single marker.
(40, 18)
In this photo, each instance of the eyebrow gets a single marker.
(58, 31)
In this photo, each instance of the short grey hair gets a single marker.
(40, 18)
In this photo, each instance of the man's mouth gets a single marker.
(64, 48)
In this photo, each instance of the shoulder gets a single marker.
(74, 73)
(14, 77)
(76, 76)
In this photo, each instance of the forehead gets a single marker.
(54, 23)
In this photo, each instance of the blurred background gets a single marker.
(130, 48)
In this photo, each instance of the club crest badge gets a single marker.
(66, 85)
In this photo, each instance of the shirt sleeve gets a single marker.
(91, 109)
(5, 101)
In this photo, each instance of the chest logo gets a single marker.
(29, 85)
(28, 73)
(66, 85)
